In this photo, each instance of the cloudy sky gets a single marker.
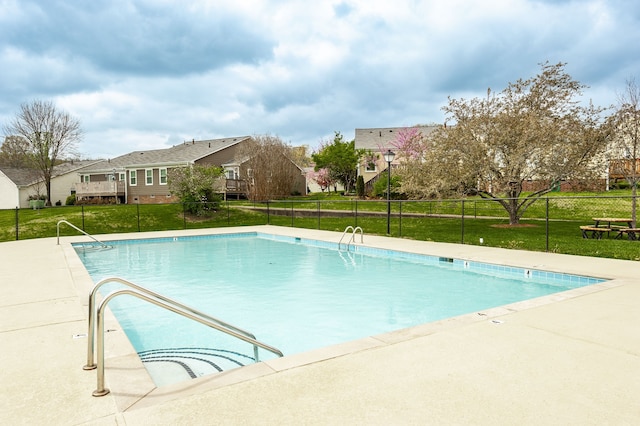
(145, 74)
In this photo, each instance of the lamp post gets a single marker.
(388, 157)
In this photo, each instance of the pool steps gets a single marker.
(198, 361)
(96, 324)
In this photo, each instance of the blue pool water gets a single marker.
(298, 294)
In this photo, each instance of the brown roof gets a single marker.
(184, 153)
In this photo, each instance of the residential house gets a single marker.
(18, 185)
(143, 176)
(377, 141)
(622, 167)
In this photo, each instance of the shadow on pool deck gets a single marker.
(569, 358)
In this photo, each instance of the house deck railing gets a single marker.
(100, 189)
(236, 185)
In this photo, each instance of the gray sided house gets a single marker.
(19, 185)
(378, 141)
(143, 176)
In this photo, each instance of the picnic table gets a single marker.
(610, 220)
(607, 224)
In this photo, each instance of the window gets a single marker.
(133, 177)
(370, 166)
(121, 177)
(84, 178)
(163, 176)
(231, 173)
(148, 176)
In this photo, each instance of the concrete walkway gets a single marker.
(572, 358)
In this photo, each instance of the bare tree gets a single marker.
(50, 134)
(270, 171)
(625, 146)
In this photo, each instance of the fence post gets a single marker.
(17, 224)
(184, 215)
(138, 213)
(82, 214)
(355, 214)
(547, 223)
(462, 217)
(268, 214)
(292, 213)
(318, 208)
(400, 218)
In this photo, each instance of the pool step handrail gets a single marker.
(96, 324)
(353, 235)
(77, 229)
(93, 312)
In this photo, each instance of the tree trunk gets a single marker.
(48, 187)
(634, 193)
(512, 204)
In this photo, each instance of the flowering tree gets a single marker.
(409, 143)
(195, 186)
(322, 177)
(411, 147)
(340, 158)
(534, 129)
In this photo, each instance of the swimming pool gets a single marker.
(295, 294)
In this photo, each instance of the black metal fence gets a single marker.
(546, 225)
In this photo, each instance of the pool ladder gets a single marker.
(96, 324)
(352, 239)
(77, 229)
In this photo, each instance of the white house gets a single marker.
(18, 184)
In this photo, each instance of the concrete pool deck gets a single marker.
(568, 358)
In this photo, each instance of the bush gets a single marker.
(380, 187)
(360, 186)
(194, 186)
(71, 200)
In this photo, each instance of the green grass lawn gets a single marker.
(430, 221)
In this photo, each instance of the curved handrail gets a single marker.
(191, 314)
(344, 233)
(353, 235)
(95, 317)
(77, 229)
(93, 313)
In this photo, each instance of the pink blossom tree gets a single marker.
(409, 143)
(322, 177)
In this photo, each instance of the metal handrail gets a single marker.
(343, 234)
(96, 316)
(77, 229)
(353, 235)
(92, 315)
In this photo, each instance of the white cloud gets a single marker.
(153, 73)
